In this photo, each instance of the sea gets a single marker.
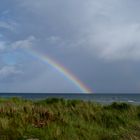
(99, 98)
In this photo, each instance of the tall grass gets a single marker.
(59, 119)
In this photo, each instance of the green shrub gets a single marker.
(120, 106)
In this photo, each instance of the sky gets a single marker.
(98, 41)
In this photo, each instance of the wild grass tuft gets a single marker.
(59, 119)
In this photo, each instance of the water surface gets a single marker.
(101, 98)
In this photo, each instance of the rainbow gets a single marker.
(61, 69)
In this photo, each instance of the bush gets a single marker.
(120, 106)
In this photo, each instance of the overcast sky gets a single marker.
(97, 40)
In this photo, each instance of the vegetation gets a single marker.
(59, 119)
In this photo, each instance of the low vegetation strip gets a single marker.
(59, 119)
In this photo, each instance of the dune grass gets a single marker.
(59, 119)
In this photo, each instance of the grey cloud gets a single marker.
(104, 27)
(2, 46)
(10, 25)
(23, 44)
(8, 71)
(54, 40)
(6, 46)
(119, 42)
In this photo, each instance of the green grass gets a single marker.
(59, 119)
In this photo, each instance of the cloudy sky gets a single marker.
(97, 40)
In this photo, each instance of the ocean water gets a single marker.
(100, 98)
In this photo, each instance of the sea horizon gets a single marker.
(106, 98)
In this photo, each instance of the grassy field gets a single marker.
(58, 119)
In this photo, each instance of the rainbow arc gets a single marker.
(61, 69)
